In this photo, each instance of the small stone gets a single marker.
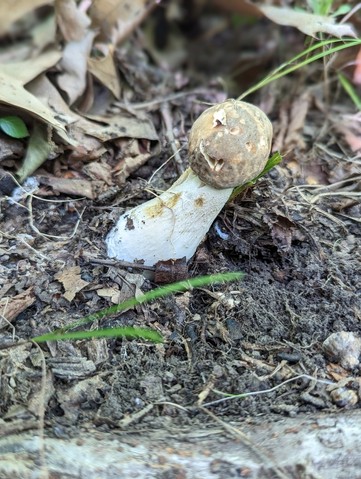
(343, 348)
(344, 397)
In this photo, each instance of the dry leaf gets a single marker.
(308, 23)
(10, 308)
(11, 10)
(99, 170)
(350, 127)
(296, 121)
(337, 372)
(113, 293)
(41, 396)
(105, 72)
(74, 187)
(122, 126)
(72, 282)
(44, 33)
(129, 284)
(27, 70)
(72, 21)
(45, 91)
(135, 153)
(14, 94)
(78, 126)
(74, 66)
(283, 230)
(116, 19)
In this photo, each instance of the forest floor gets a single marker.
(288, 332)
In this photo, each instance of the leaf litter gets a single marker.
(100, 141)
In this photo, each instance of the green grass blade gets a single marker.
(289, 66)
(350, 90)
(126, 332)
(275, 159)
(146, 297)
(271, 163)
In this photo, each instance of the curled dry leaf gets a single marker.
(74, 66)
(307, 23)
(104, 70)
(71, 20)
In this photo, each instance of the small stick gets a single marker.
(124, 264)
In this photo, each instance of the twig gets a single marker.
(265, 391)
(170, 136)
(157, 101)
(122, 264)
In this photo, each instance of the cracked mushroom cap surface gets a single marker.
(229, 144)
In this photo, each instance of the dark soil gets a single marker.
(296, 239)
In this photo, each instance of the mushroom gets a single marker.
(229, 145)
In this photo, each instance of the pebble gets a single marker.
(344, 397)
(343, 348)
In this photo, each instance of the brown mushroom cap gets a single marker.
(229, 144)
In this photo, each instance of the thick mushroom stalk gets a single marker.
(229, 145)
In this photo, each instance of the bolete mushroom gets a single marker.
(229, 145)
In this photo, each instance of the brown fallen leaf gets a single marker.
(283, 230)
(77, 126)
(116, 19)
(72, 282)
(99, 170)
(11, 307)
(104, 70)
(69, 186)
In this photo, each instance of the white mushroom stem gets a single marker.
(228, 146)
(170, 226)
